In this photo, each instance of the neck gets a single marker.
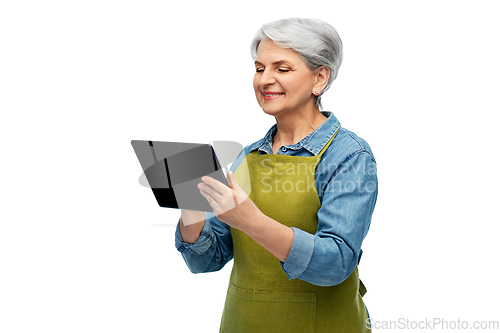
(295, 126)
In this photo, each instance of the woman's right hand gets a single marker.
(192, 222)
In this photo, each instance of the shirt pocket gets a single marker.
(266, 311)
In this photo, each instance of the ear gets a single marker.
(322, 76)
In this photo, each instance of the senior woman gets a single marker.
(300, 200)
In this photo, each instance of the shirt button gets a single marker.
(283, 149)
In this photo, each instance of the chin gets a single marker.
(271, 110)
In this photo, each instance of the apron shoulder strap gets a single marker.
(325, 147)
(328, 143)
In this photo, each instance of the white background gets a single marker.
(85, 248)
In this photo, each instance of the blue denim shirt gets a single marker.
(346, 182)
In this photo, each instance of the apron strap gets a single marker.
(328, 143)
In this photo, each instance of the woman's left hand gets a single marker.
(230, 204)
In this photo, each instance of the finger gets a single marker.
(234, 186)
(210, 199)
(232, 181)
(208, 190)
(215, 184)
(221, 205)
(229, 179)
(217, 208)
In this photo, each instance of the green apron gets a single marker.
(260, 297)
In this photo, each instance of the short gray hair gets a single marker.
(317, 42)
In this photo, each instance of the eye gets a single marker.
(258, 70)
(283, 70)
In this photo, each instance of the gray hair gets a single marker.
(317, 42)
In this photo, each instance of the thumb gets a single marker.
(232, 182)
(239, 194)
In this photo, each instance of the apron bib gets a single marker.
(260, 297)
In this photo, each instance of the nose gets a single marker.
(266, 78)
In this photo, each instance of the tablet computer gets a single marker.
(174, 170)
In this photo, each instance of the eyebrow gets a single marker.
(277, 62)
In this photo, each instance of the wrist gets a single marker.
(255, 225)
(189, 217)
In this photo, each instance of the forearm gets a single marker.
(275, 237)
(191, 224)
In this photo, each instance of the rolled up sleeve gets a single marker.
(211, 251)
(300, 254)
(330, 255)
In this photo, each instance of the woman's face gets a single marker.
(283, 82)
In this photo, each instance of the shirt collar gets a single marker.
(313, 142)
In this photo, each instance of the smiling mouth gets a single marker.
(271, 94)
